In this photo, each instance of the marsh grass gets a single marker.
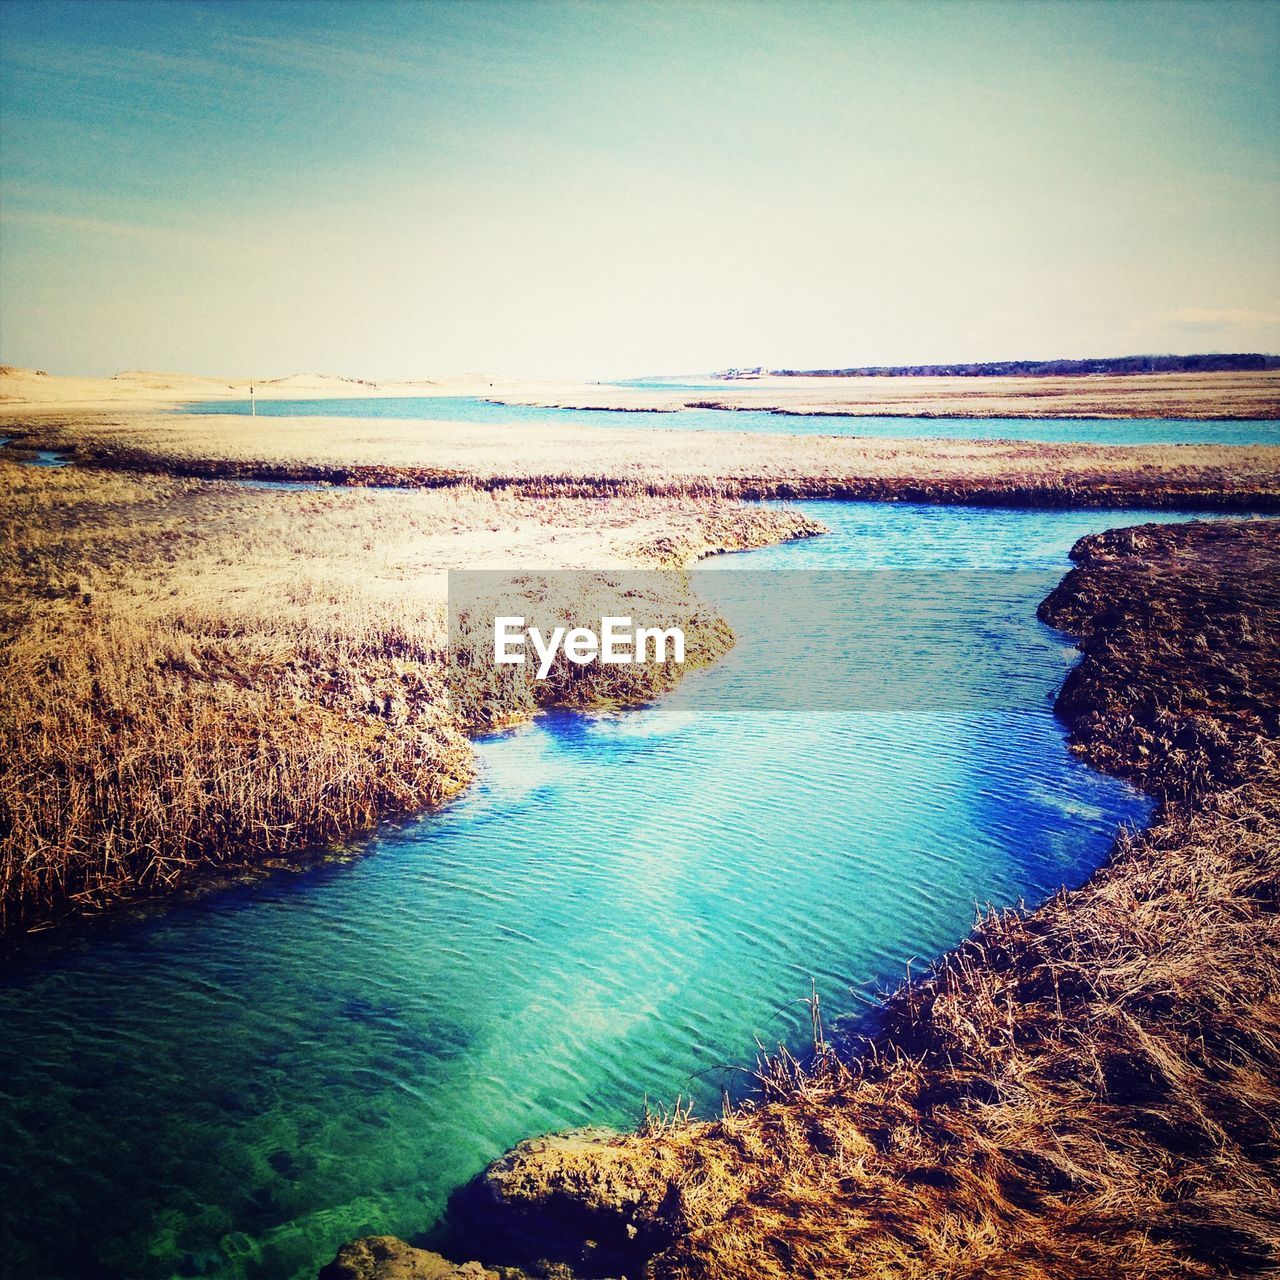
(487, 695)
(197, 676)
(1242, 394)
(566, 460)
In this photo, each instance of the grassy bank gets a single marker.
(1088, 1090)
(196, 676)
(1239, 394)
(560, 460)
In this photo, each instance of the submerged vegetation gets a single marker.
(1088, 1090)
(199, 676)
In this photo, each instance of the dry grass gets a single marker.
(1245, 394)
(1242, 394)
(486, 695)
(1088, 1091)
(568, 460)
(197, 676)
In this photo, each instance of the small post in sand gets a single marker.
(253, 403)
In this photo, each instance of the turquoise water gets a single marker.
(235, 1087)
(466, 409)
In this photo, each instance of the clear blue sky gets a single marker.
(564, 189)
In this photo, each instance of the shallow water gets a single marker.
(1066, 430)
(48, 458)
(620, 904)
(252, 482)
(40, 457)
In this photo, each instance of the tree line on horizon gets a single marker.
(1213, 363)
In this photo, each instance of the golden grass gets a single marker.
(197, 675)
(568, 460)
(1242, 394)
(1245, 394)
(1088, 1091)
(485, 695)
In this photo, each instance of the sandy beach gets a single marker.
(34, 389)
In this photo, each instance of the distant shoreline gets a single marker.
(1099, 366)
(593, 462)
(1247, 395)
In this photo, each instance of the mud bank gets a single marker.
(1087, 1090)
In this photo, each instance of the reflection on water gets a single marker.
(234, 1088)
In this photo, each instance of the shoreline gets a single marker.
(1237, 396)
(1266, 413)
(1063, 1077)
(1247, 396)
(391, 733)
(572, 461)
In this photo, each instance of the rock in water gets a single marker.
(595, 1202)
(388, 1258)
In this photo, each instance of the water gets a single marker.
(681, 382)
(40, 457)
(48, 458)
(1060, 430)
(235, 1087)
(288, 486)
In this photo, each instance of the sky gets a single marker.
(394, 190)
